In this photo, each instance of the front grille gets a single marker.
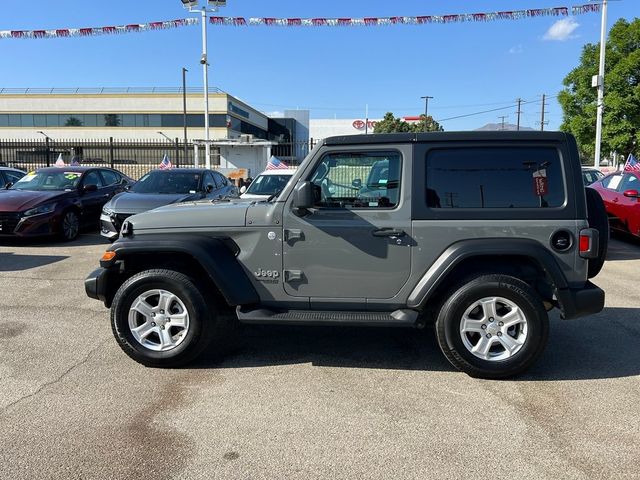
(8, 222)
(119, 218)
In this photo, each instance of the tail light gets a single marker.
(589, 243)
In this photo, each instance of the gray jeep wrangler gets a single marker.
(479, 233)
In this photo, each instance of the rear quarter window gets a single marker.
(494, 178)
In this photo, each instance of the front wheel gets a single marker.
(70, 225)
(161, 319)
(494, 326)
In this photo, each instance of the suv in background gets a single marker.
(478, 233)
(267, 184)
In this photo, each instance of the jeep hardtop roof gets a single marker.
(378, 138)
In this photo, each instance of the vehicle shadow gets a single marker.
(85, 239)
(12, 262)
(606, 345)
(623, 247)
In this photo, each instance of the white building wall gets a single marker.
(323, 128)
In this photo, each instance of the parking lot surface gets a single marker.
(305, 402)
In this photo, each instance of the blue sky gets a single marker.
(334, 72)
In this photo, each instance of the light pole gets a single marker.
(192, 5)
(184, 112)
(598, 81)
(168, 139)
(426, 110)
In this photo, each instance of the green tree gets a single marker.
(391, 124)
(112, 120)
(73, 122)
(621, 122)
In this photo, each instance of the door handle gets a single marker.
(388, 232)
(615, 200)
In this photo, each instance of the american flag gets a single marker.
(275, 164)
(632, 164)
(165, 164)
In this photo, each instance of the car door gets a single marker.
(225, 188)
(355, 242)
(209, 187)
(611, 197)
(628, 207)
(113, 182)
(93, 201)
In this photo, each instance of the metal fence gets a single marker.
(132, 157)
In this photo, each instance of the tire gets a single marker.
(512, 297)
(598, 219)
(167, 345)
(70, 225)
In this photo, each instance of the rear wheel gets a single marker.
(161, 319)
(494, 326)
(598, 219)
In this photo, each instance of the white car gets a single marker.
(267, 184)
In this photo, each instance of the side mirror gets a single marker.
(303, 196)
(209, 188)
(357, 183)
(631, 193)
(89, 188)
(8, 185)
(127, 187)
(243, 189)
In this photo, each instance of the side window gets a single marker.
(357, 180)
(221, 181)
(13, 176)
(612, 182)
(110, 178)
(629, 182)
(93, 178)
(208, 179)
(501, 177)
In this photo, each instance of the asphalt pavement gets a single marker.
(305, 402)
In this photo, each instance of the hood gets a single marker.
(131, 202)
(21, 200)
(199, 214)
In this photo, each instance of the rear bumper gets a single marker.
(580, 302)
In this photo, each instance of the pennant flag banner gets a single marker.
(90, 32)
(306, 22)
(419, 20)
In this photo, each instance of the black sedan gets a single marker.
(163, 187)
(58, 201)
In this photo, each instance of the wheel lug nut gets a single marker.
(499, 334)
(501, 324)
(488, 335)
(153, 324)
(153, 314)
(161, 312)
(484, 327)
(491, 319)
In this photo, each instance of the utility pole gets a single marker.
(519, 113)
(598, 81)
(426, 110)
(503, 117)
(542, 121)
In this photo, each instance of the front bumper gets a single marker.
(107, 228)
(34, 226)
(95, 285)
(580, 302)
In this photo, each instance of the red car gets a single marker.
(58, 201)
(621, 194)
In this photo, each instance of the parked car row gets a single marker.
(621, 194)
(61, 201)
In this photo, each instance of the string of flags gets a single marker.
(305, 22)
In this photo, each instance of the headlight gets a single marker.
(41, 209)
(107, 211)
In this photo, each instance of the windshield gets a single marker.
(168, 182)
(268, 184)
(58, 180)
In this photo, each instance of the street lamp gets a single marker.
(168, 139)
(192, 6)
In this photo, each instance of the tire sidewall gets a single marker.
(537, 325)
(192, 299)
(63, 234)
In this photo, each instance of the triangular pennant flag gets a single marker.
(60, 162)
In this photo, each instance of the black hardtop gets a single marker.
(430, 137)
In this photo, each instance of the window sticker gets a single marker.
(28, 177)
(615, 181)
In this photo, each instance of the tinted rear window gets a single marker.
(505, 177)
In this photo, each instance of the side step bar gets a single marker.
(399, 318)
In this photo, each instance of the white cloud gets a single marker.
(516, 49)
(562, 30)
(275, 114)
